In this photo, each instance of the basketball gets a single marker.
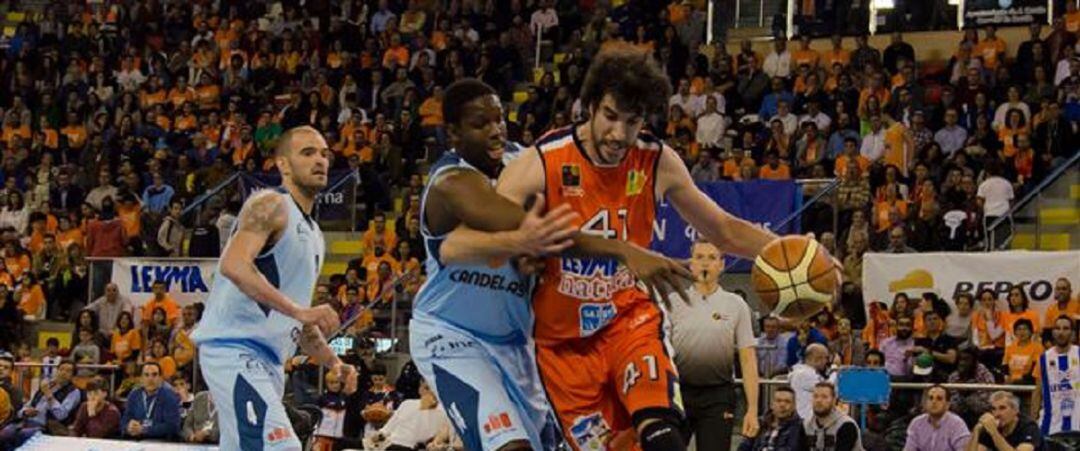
(794, 277)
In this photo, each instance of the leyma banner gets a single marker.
(187, 280)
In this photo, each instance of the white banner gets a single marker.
(949, 274)
(187, 280)
(49, 443)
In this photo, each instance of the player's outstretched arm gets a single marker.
(261, 221)
(538, 234)
(730, 234)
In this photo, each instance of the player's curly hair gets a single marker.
(631, 75)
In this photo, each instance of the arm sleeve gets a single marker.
(909, 442)
(62, 411)
(744, 333)
(129, 412)
(846, 437)
(80, 422)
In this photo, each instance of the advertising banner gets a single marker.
(187, 280)
(1004, 12)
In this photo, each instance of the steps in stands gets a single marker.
(1053, 222)
(340, 248)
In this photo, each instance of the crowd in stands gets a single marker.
(116, 115)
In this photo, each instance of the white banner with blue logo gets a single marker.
(766, 203)
(187, 280)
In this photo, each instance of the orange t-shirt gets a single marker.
(130, 218)
(179, 97)
(834, 56)
(613, 202)
(1072, 22)
(1072, 309)
(989, 50)
(32, 301)
(1021, 360)
(808, 57)
(172, 309)
(1009, 318)
(209, 96)
(17, 264)
(11, 132)
(782, 172)
(982, 330)
(398, 54)
(842, 162)
(881, 213)
(76, 135)
(123, 345)
(431, 112)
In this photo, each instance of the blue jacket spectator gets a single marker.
(153, 410)
(795, 348)
(156, 197)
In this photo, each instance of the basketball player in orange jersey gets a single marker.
(601, 348)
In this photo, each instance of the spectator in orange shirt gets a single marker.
(75, 132)
(396, 55)
(379, 229)
(838, 54)
(31, 297)
(1064, 304)
(774, 169)
(1022, 355)
(805, 55)
(126, 339)
(1019, 308)
(162, 300)
(991, 48)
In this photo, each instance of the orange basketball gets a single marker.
(794, 276)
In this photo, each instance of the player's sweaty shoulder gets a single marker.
(523, 177)
(264, 212)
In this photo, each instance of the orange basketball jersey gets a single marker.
(578, 296)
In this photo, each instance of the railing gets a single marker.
(1034, 195)
(23, 378)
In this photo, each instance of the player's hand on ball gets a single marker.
(529, 266)
(662, 276)
(321, 316)
(547, 233)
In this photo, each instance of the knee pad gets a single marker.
(661, 431)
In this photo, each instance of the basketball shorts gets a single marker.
(491, 392)
(598, 385)
(247, 389)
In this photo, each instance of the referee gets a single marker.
(705, 335)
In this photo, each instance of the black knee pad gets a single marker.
(663, 431)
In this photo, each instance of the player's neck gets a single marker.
(585, 139)
(707, 287)
(304, 199)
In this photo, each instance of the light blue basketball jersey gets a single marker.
(291, 265)
(491, 303)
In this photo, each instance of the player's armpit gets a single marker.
(264, 215)
(468, 197)
(730, 234)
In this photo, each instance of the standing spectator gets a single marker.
(994, 196)
(897, 51)
(545, 20)
(1056, 396)
(170, 236)
(711, 126)
(705, 336)
(806, 376)
(778, 62)
(830, 429)
(156, 197)
(772, 348)
(152, 410)
(66, 196)
(1004, 428)
(201, 422)
(104, 189)
(937, 429)
(783, 429)
(97, 417)
(106, 235)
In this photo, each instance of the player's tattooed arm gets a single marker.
(314, 346)
(260, 222)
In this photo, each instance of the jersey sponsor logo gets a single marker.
(278, 434)
(571, 180)
(490, 281)
(593, 278)
(590, 432)
(498, 424)
(440, 345)
(635, 182)
(595, 316)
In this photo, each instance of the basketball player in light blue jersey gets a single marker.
(471, 331)
(259, 308)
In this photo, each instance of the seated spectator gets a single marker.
(774, 169)
(830, 428)
(899, 350)
(334, 404)
(937, 344)
(152, 410)
(162, 300)
(1019, 308)
(414, 424)
(379, 400)
(781, 427)
(7, 383)
(805, 376)
(958, 324)
(159, 353)
(937, 429)
(847, 349)
(771, 348)
(97, 417)
(201, 422)
(1004, 428)
(52, 408)
(182, 387)
(126, 342)
(970, 405)
(180, 344)
(86, 352)
(1022, 355)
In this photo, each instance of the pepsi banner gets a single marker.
(186, 280)
(763, 202)
(333, 202)
(1004, 12)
